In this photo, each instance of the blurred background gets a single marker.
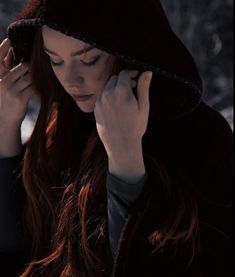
(204, 26)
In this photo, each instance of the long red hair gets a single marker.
(64, 174)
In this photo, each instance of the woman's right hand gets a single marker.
(16, 88)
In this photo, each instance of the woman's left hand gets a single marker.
(121, 119)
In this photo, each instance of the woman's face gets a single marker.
(79, 73)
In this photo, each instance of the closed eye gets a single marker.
(85, 63)
(92, 62)
(55, 64)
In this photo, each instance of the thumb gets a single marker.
(143, 90)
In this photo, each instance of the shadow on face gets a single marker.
(80, 68)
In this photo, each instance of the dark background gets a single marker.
(205, 27)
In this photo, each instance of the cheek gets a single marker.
(106, 71)
(58, 74)
(96, 77)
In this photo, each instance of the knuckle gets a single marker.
(124, 71)
(24, 66)
(21, 67)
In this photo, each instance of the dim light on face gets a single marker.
(82, 69)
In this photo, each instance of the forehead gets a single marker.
(57, 40)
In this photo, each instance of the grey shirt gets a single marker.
(120, 196)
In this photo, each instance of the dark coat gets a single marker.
(198, 152)
(194, 141)
(207, 170)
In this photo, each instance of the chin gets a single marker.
(86, 109)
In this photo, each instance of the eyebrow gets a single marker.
(77, 53)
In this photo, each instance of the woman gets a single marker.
(134, 179)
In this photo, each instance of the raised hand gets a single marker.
(16, 87)
(121, 122)
(121, 119)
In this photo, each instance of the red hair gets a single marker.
(64, 176)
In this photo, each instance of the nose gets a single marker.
(74, 83)
(73, 78)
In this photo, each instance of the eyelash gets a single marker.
(86, 64)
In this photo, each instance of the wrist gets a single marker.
(10, 143)
(127, 164)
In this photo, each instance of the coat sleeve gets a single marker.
(11, 238)
(120, 196)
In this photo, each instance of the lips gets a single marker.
(82, 97)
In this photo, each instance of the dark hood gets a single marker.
(134, 31)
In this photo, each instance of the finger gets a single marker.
(143, 91)
(132, 73)
(124, 78)
(15, 73)
(8, 60)
(23, 82)
(133, 83)
(27, 93)
(4, 47)
(110, 85)
(126, 75)
(111, 82)
(4, 50)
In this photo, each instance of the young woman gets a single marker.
(127, 172)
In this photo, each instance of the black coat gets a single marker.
(207, 170)
(198, 152)
(193, 141)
